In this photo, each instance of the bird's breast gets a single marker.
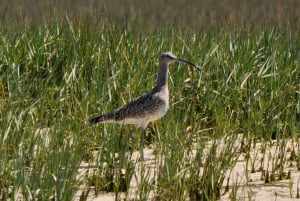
(163, 105)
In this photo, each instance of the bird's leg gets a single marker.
(142, 145)
(141, 141)
(131, 132)
(129, 137)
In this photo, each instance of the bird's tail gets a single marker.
(102, 118)
(96, 120)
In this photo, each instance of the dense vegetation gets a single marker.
(61, 63)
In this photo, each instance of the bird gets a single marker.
(148, 107)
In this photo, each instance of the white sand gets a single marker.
(255, 189)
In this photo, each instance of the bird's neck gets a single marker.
(162, 76)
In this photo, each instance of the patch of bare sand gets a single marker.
(246, 181)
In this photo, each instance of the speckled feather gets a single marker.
(139, 108)
(148, 107)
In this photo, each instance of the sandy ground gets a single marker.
(253, 188)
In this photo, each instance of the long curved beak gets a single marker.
(190, 63)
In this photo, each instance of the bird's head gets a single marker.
(169, 57)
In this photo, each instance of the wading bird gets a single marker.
(148, 107)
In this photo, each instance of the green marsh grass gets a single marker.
(55, 76)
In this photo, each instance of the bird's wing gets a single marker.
(139, 107)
